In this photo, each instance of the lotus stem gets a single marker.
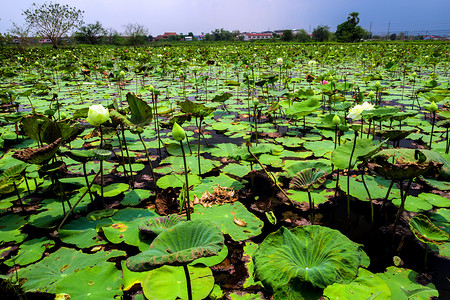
(128, 155)
(148, 159)
(403, 195)
(367, 190)
(79, 200)
(187, 204)
(432, 127)
(447, 144)
(18, 196)
(121, 153)
(311, 207)
(188, 281)
(348, 175)
(271, 176)
(87, 182)
(387, 195)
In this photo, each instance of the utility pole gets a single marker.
(389, 27)
(370, 30)
(309, 29)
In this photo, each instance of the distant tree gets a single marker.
(222, 35)
(136, 33)
(302, 36)
(287, 35)
(321, 33)
(113, 37)
(349, 31)
(53, 20)
(21, 32)
(90, 34)
(393, 37)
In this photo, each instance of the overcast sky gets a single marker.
(183, 16)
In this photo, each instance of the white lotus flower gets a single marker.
(279, 61)
(355, 112)
(97, 115)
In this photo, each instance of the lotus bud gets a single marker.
(122, 74)
(178, 133)
(433, 107)
(151, 88)
(378, 84)
(414, 74)
(279, 61)
(63, 115)
(371, 95)
(97, 115)
(336, 120)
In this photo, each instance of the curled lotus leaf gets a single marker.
(155, 226)
(316, 255)
(402, 164)
(396, 134)
(308, 179)
(38, 155)
(426, 232)
(179, 245)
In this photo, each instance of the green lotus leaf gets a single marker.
(10, 228)
(232, 218)
(363, 149)
(222, 97)
(315, 255)
(403, 286)
(31, 251)
(195, 109)
(81, 155)
(425, 231)
(303, 108)
(396, 134)
(45, 275)
(401, 164)
(135, 196)
(180, 245)
(141, 112)
(97, 282)
(155, 226)
(131, 278)
(365, 286)
(378, 187)
(308, 179)
(169, 283)
(81, 232)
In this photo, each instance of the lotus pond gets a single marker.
(247, 171)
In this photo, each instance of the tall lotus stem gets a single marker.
(188, 281)
(311, 207)
(367, 190)
(179, 135)
(348, 174)
(148, 159)
(403, 194)
(433, 108)
(87, 182)
(128, 154)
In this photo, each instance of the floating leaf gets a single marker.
(314, 254)
(45, 275)
(425, 231)
(223, 216)
(97, 282)
(180, 245)
(169, 283)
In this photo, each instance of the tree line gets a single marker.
(54, 21)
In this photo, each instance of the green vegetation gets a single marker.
(210, 170)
